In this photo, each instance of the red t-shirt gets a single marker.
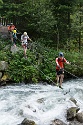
(60, 62)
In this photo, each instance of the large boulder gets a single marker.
(71, 112)
(15, 49)
(3, 65)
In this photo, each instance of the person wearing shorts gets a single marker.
(60, 68)
(24, 42)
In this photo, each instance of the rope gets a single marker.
(76, 66)
(71, 74)
(64, 70)
(47, 77)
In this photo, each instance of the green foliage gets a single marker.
(40, 64)
(21, 69)
(56, 22)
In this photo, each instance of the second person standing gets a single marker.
(24, 38)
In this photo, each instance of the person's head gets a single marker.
(61, 55)
(25, 33)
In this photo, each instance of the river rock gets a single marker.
(3, 65)
(75, 122)
(71, 112)
(57, 122)
(14, 49)
(4, 36)
(5, 77)
(27, 122)
(73, 100)
(41, 100)
(79, 117)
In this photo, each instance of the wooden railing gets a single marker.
(5, 21)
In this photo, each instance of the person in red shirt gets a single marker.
(11, 27)
(60, 68)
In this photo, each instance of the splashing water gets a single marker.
(41, 103)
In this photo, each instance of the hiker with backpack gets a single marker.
(11, 27)
(60, 69)
(24, 41)
(14, 34)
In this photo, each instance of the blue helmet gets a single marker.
(61, 54)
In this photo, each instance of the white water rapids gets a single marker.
(41, 103)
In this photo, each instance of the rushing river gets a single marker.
(41, 103)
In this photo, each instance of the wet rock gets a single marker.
(5, 77)
(57, 122)
(14, 49)
(41, 100)
(71, 112)
(75, 122)
(79, 117)
(21, 112)
(3, 65)
(27, 122)
(4, 36)
(3, 83)
(73, 100)
(32, 108)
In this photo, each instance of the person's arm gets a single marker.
(28, 38)
(67, 62)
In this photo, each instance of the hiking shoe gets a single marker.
(60, 87)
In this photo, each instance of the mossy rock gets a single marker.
(71, 112)
(5, 77)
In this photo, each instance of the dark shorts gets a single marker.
(59, 72)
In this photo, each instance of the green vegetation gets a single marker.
(40, 64)
(56, 22)
(53, 25)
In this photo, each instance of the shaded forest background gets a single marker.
(56, 23)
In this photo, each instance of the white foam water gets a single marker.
(41, 103)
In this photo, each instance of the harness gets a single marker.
(62, 61)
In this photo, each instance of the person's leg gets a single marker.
(14, 41)
(61, 79)
(11, 37)
(57, 77)
(25, 50)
